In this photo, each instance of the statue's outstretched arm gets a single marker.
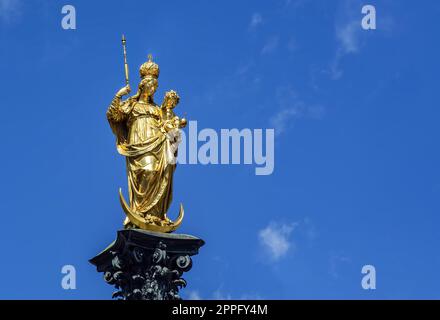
(119, 109)
(115, 111)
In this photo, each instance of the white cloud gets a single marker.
(9, 10)
(348, 36)
(275, 239)
(218, 295)
(270, 46)
(251, 296)
(244, 68)
(194, 295)
(281, 120)
(309, 229)
(291, 108)
(348, 33)
(295, 3)
(337, 261)
(256, 20)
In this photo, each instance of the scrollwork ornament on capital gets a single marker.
(160, 254)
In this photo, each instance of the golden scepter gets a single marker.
(125, 59)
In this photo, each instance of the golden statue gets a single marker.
(147, 135)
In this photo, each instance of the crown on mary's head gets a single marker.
(149, 69)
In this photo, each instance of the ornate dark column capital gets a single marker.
(147, 265)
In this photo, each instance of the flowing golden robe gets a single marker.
(148, 151)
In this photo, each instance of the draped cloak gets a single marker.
(149, 153)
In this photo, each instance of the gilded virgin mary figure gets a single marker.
(147, 135)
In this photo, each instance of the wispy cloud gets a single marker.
(220, 295)
(309, 229)
(194, 295)
(251, 296)
(275, 239)
(256, 20)
(337, 260)
(295, 3)
(291, 107)
(282, 120)
(292, 44)
(271, 45)
(348, 32)
(350, 35)
(9, 10)
(244, 68)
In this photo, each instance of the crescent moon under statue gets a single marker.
(144, 224)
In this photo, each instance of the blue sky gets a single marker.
(356, 114)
